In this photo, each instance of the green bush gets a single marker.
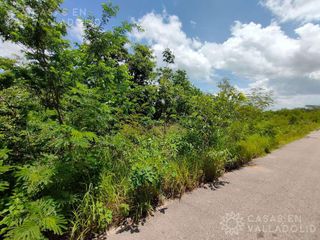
(31, 219)
(145, 181)
(254, 146)
(213, 164)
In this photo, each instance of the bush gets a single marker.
(30, 220)
(254, 146)
(213, 164)
(145, 182)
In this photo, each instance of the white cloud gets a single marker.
(298, 10)
(297, 101)
(266, 56)
(10, 50)
(162, 31)
(76, 31)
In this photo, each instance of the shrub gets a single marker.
(213, 164)
(175, 180)
(254, 146)
(145, 182)
(31, 219)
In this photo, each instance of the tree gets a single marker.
(7, 75)
(141, 64)
(168, 56)
(32, 24)
(260, 98)
(227, 103)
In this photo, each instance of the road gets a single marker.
(275, 197)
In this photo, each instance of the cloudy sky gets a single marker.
(267, 43)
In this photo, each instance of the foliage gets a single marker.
(91, 215)
(28, 220)
(93, 133)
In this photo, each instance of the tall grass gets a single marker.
(159, 165)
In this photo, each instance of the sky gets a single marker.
(272, 44)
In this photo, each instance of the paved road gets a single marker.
(276, 197)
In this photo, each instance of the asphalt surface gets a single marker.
(275, 197)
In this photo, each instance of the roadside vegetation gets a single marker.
(93, 134)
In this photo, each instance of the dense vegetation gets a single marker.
(94, 133)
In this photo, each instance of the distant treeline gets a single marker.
(313, 106)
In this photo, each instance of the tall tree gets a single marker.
(33, 25)
(141, 64)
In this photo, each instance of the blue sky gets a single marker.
(254, 43)
(209, 20)
(213, 18)
(273, 44)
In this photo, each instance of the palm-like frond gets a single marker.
(35, 178)
(29, 220)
